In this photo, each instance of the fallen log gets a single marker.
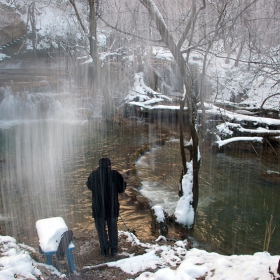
(271, 177)
(250, 144)
(259, 132)
(93, 267)
(221, 143)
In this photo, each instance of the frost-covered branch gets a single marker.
(221, 143)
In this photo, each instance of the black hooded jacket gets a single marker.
(105, 184)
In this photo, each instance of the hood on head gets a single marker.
(104, 162)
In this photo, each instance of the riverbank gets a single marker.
(128, 206)
(140, 261)
(86, 255)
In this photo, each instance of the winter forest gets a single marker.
(183, 97)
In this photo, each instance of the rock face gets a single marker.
(11, 25)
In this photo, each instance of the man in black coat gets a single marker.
(105, 185)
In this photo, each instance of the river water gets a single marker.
(45, 165)
(235, 203)
(45, 162)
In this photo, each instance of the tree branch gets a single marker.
(161, 26)
(72, 2)
(188, 27)
(128, 33)
(278, 93)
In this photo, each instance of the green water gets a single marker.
(46, 163)
(235, 203)
(44, 168)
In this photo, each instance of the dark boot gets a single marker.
(104, 252)
(114, 252)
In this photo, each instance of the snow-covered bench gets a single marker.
(49, 232)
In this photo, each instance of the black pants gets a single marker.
(104, 242)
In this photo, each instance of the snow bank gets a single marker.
(168, 263)
(184, 212)
(138, 263)
(159, 213)
(15, 262)
(199, 263)
(176, 263)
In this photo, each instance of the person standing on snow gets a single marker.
(105, 185)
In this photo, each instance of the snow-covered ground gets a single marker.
(175, 262)
(16, 262)
(169, 263)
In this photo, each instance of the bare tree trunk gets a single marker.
(239, 52)
(92, 30)
(33, 28)
(194, 156)
(249, 59)
(202, 80)
(171, 45)
(228, 51)
(92, 36)
(182, 144)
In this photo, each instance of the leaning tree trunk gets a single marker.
(182, 142)
(181, 131)
(175, 50)
(239, 51)
(194, 153)
(194, 148)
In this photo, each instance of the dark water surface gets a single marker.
(235, 203)
(45, 164)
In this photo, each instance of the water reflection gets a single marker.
(234, 203)
(45, 163)
(45, 167)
